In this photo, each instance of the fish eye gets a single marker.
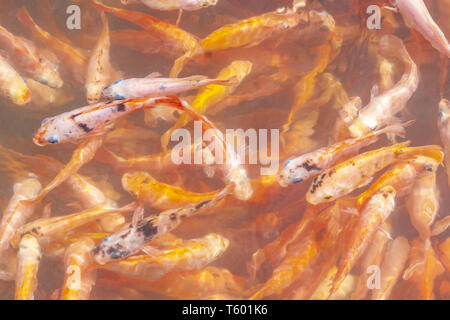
(296, 180)
(441, 114)
(204, 4)
(116, 82)
(328, 197)
(53, 139)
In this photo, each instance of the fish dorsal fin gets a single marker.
(153, 75)
(138, 215)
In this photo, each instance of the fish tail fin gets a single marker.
(434, 152)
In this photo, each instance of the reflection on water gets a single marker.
(303, 72)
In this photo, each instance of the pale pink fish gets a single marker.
(167, 5)
(92, 120)
(310, 164)
(153, 86)
(28, 60)
(383, 108)
(16, 213)
(416, 16)
(12, 86)
(444, 128)
(99, 70)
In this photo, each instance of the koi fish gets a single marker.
(27, 59)
(167, 5)
(377, 210)
(49, 229)
(444, 128)
(78, 279)
(416, 16)
(136, 235)
(16, 214)
(394, 262)
(188, 255)
(92, 120)
(71, 57)
(159, 195)
(357, 172)
(382, 108)
(99, 70)
(29, 255)
(307, 165)
(423, 201)
(153, 86)
(12, 86)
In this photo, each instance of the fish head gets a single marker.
(19, 95)
(444, 111)
(320, 192)
(297, 171)
(47, 133)
(50, 77)
(132, 182)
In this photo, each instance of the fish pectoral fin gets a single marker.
(393, 9)
(151, 251)
(386, 232)
(153, 75)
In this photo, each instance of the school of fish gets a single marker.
(94, 206)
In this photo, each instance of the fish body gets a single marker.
(377, 210)
(28, 60)
(307, 165)
(159, 195)
(416, 16)
(16, 214)
(168, 5)
(356, 172)
(154, 86)
(12, 86)
(28, 258)
(383, 108)
(99, 70)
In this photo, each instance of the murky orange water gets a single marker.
(249, 225)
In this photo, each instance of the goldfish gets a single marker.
(154, 86)
(391, 269)
(49, 229)
(29, 256)
(373, 256)
(173, 37)
(416, 16)
(444, 128)
(79, 278)
(133, 237)
(188, 255)
(45, 97)
(423, 268)
(376, 211)
(83, 154)
(382, 108)
(159, 195)
(213, 93)
(423, 201)
(246, 33)
(72, 58)
(16, 214)
(358, 171)
(401, 176)
(12, 86)
(307, 165)
(99, 70)
(28, 60)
